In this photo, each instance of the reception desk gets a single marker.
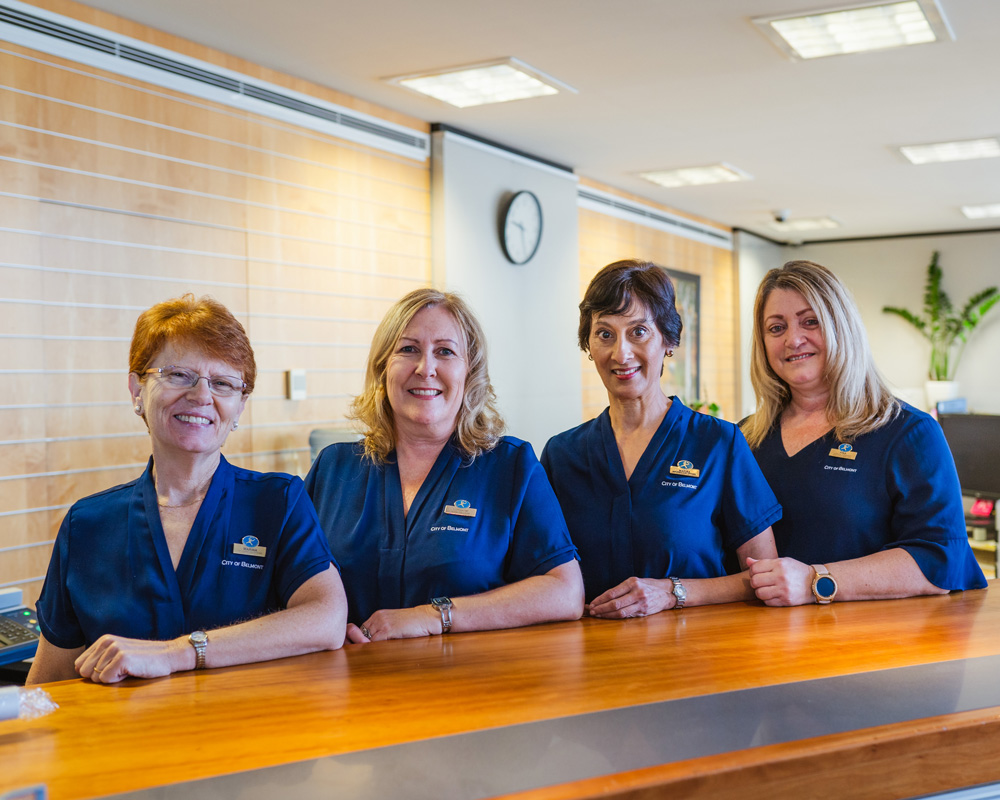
(863, 700)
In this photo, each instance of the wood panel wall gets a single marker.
(604, 239)
(115, 195)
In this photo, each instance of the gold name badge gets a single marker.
(460, 511)
(685, 468)
(241, 549)
(844, 451)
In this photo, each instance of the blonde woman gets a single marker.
(439, 523)
(872, 504)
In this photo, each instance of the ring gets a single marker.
(366, 632)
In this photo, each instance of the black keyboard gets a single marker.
(19, 634)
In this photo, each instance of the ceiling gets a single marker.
(662, 83)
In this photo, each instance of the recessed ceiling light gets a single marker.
(805, 224)
(981, 212)
(951, 151)
(696, 176)
(478, 84)
(856, 29)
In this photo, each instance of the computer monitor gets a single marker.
(974, 440)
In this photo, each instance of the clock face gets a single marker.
(522, 227)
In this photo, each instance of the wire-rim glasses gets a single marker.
(184, 378)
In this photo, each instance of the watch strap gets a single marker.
(822, 573)
(679, 591)
(199, 641)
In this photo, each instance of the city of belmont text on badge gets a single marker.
(461, 508)
(685, 468)
(250, 546)
(844, 451)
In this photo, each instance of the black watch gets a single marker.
(444, 606)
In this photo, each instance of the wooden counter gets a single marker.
(142, 734)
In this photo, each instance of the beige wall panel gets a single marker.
(23, 250)
(306, 412)
(319, 242)
(355, 287)
(97, 452)
(91, 420)
(23, 319)
(30, 592)
(17, 213)
(139, 290)
(353, 200)
(110, 386)
(70, 488)
(19, 564)
(294, 330)
(317, 222)
(15, 177)
(21, 423)
(21, 389)
(149, 233)
(318, 356)
(319, 383)
(20, 495)
(26, 354)
(72, 320)
(110, 192)
(318, 303)
(294, 462)
(28, 528)
(81, 354)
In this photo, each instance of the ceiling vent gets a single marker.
(606, 203)
(77, 41)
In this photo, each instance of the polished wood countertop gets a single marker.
(141, 734)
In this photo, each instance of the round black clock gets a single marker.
(521, 227)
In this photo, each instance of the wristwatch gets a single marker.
(679, 592)
(824, 586)
(199, 641)
(444, 606)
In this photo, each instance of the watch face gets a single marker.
(522, 227)
(826, 587)
(199, 637)
(441, 602)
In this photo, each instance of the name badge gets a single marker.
(250, 546)
(685, 468)
(460, 508)
(844, 451)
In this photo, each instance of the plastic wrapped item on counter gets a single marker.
(16, 702)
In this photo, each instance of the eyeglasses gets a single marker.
(183, 378)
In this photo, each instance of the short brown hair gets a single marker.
(479, 424)
(615, 288)
(204, 323)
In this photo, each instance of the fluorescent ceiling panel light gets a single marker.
(803, 224)
(478, 84)
(856, 29)
(982, 212)
(696, 176)
(951, 151)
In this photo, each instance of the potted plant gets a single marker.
(947, 331)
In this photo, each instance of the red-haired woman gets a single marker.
(197, 563)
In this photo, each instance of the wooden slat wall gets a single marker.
(604, 239)
(115, 195)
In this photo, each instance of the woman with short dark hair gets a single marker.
(660, 501)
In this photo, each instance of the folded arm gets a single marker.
(556, 595)
(315, 619)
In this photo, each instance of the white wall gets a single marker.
(754, 257)
(529, 311)
(892, 272)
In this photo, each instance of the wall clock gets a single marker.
(521, 227)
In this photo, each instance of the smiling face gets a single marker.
(793, 341)
(628, 351)
(425, 375)
(191, 420)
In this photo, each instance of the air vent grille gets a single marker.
(62, 36)
(679, 225)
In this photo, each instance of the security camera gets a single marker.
(781, 214)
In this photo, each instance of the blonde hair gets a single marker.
(478, 426)
(860, 400)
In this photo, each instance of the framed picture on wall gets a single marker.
(682, 375)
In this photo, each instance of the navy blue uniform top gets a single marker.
(665, 519)
(900, 490)
(438, 549)
(111, 570)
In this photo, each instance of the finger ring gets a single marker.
(366, 632)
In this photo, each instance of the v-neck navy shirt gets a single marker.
(900, 490)
(440, 548)
(664, 519)
(111, 571)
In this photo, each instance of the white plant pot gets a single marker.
(937, 391)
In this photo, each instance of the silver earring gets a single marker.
(236, 425)
(590, 356)
(138, 409)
